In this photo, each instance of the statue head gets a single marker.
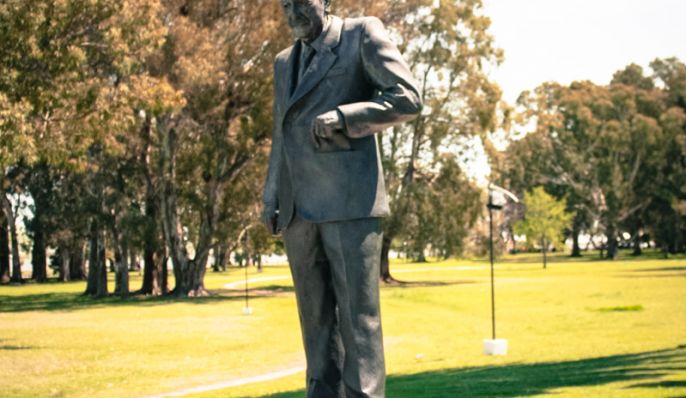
(306, 17)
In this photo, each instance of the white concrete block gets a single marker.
(495, 347)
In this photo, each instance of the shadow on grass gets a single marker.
(15, 348)
(662, 384)
(10, 347)
(410, 284)
(70, 301)
(274, 290)
(663, 269)
(521, 380)
(586, 256)
(662, 272)
(76, 301)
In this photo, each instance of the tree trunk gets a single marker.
(680, 237)
(134, 264)
(384, 268)
(97, 269)
(154, 255)
(154, 261)
(576, 230)
(189, 273)
(38, 254)
(220, 258)
(590, 242)
(637, 247)
(544, 244)
(258, 262)
(4, 250)
(65, 267)
(514, 241)
(11, 221)
(636, 240)
(77, 266)
(154, 272)
(611, 242)
(190, 279)
(121, 266)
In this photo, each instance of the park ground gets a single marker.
(581, 328)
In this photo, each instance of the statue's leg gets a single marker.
(353, 249)
(316, 308)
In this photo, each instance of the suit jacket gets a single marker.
(361, 73)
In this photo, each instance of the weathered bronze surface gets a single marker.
(340, 83)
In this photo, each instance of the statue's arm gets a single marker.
(270, 193)
(399, 100)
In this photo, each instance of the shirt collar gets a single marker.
(318, 43)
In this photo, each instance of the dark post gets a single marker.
(246, 286)
(244, 241)
(490, 229)
(494, 346)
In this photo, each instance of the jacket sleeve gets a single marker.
(269, 196)
(398, 99)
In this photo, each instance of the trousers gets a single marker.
(335, 269)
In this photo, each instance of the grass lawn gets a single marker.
(582, 328)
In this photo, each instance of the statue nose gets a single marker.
(296, 19)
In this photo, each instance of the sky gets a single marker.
(567, 40)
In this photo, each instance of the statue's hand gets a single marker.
(326, 125)
(270, 219)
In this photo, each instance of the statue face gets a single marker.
(305, 17)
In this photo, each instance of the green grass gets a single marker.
(582, 328)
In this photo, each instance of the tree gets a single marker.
(447, 46)
(666, 218)
(600, 147)
(441, 211)
(4, 250)
(63, 62)
(15, 144)
(175, 96)
(218, 61)
(544, 221)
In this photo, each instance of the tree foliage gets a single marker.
(545, 219)
(447, 46)
(609, 150)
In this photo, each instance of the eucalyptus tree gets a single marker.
(600, 147)
(15, 144)
(447, 46)
(63, 63)
(666, 218)
(216, 65)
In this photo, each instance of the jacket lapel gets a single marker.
(289, 74)
(322, 62)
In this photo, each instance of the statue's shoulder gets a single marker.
(362, 23)
(282, 57)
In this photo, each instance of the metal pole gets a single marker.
(246, 285)
(490, 220)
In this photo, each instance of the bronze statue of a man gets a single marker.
(340, 83)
